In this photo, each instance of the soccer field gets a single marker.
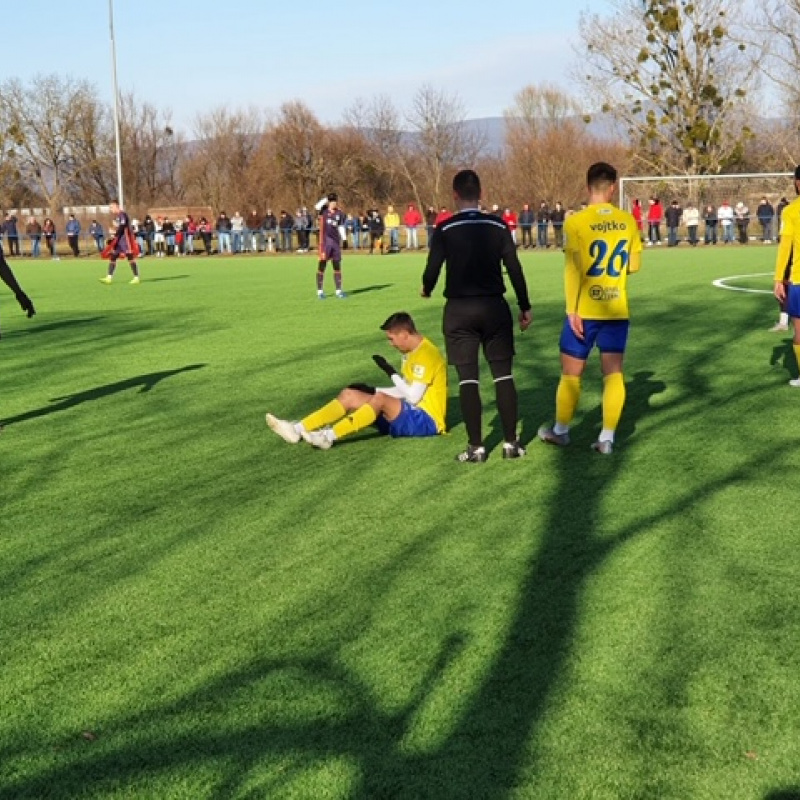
(192, 608)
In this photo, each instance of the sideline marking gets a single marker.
(722, 283)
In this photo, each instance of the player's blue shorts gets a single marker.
(793, 301)
(610, 336)
(411, 421)
(331, 252)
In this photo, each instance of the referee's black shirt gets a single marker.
(474, 245)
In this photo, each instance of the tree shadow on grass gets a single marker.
(49, 327)
(783, 794)
(144, 382)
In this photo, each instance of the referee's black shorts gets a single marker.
(473, 322)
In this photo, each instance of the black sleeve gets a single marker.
(7, 276)
(433, 267)
(514, 269)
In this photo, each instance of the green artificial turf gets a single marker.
(192, 608)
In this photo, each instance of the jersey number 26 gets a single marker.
(613, 262)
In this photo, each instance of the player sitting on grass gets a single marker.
(414, 406)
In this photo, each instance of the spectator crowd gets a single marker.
(381, 232)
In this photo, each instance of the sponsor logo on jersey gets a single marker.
(604, 293)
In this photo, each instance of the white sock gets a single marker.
(559, 429)
(606, 435)
(784, 318)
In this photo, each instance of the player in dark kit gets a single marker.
(122, 243)
(474, 247)
(7, 276)
(331, 222)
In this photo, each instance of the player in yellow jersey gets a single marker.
(787, 275)
(602, 247)
(415, 405)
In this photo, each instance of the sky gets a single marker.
(192, 56)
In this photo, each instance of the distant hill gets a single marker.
(494, 128)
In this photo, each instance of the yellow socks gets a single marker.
(613, 400)
(796, 348)
(361, 418)
(567, 396)
(326, 415)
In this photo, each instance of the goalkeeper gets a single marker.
(415, 405)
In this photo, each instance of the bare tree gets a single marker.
(675, 73)
(440, 142)
(47, 124)
(216, 171)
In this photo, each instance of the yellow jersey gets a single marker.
(425, 364)
(602, 246)
(789, 242)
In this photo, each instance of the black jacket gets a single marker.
(475, 246)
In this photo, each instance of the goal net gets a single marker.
(710, 190)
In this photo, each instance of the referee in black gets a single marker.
(474, 245)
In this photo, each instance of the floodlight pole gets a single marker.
(120, 198)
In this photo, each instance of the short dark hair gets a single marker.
(333, 197)
(797, 173)
(467, 185)
(601, 173)
(400, 320)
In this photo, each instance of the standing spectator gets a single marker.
(476, 314)
(392, 223)
(168, 229)
(97, 233)
(655, 216)
(542, 221)
(237, 233)
(710, 220)
(159, 240)
(303, 227)
(253, 231)
(49, 229)
(376, 230)
(430, 225)
(73, 232)
(180, 238)
(782, 203)
(270, 231)
(557, 216)
(691, 219)
(526, 219)
(204, 229)
(444, 214)
(725, 217)
(742, 215)
(223, 233)
(673, 219)
(510, 218)
(765, 214)
(149, 230)
(33, 231)
(412, 219)
(638, 215)
(353, 228)
(11, 234)
(138, 232)
(189, 232)
(285, 225)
